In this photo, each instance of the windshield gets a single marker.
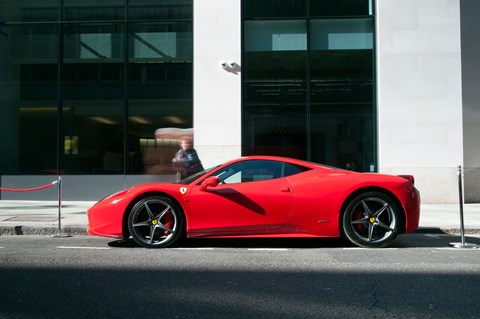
(193, 177)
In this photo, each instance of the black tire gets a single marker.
(156, 222)
(371, 220)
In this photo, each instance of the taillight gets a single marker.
(409, 178)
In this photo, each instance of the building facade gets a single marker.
(99, 92)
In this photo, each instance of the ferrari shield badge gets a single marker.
(183, 190)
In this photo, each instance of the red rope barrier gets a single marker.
(20, 190)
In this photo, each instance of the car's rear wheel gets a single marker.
(372, 220)
(156, 222)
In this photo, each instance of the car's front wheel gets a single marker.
(372, 220)
(156, 222)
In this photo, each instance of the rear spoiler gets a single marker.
(409, 178)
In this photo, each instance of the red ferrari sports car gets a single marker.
(263, 196)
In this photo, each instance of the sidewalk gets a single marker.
(41, 217)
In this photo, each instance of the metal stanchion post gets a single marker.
(59, 233)
(462, 244)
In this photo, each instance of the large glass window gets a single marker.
(274, 8)
(160, 93)
(341, 93)
(340, 8)
(28, 99)
(28, 10)
(274, 78)
(84, 91)
(160, 10)
(92, 105)
(255, 9)
(308, 88)
(93, 10)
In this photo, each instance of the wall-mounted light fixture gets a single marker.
(233, 67)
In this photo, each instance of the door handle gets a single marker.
(286, 189)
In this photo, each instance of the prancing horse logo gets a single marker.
(183, 190)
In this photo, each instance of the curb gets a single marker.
(81, 230)
(29, 230)
(456, 231)
(449, 231)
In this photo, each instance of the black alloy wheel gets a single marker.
(156, 222)
(371, 220)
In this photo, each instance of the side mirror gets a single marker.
(211, 181)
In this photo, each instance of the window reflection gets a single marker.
(274, 73)
(28, 10)
(28, 99)
(160, 91)
(157, 152)
(275, 8)
(83, 80)
(161, 42)
(309, 92)
(93, 10)
(256, 170)
(336, 8)
(160, 9)
(26, 44)
(95, 129)
(93, 42)
(341, 34)
(342, 110)
(275, 36)
(93, 107)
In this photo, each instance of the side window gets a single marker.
(249, 171)
(291, 169)
(231, 177)
(256, 170)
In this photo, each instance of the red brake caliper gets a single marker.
(357, 215)
(168, 222)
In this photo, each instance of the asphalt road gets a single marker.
(420, 276)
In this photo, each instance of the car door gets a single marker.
(252, 198)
